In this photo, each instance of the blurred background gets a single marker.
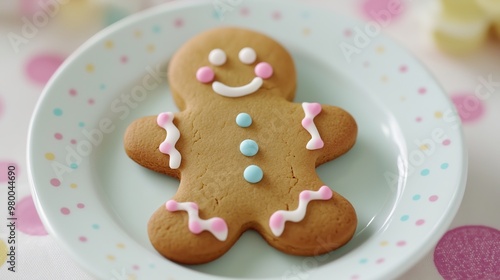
(457, 40)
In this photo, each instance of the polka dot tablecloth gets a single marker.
(470, 249)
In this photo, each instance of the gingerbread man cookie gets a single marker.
(245, 154)
(463, 25)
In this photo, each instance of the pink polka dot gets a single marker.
(91, 101)
(403, 69)
(433, 198)
(83, 239)
(245, 11)
(420, 222)
(80, 205)
(135, 267)
(469, 252)
(355, 277)
(4, 166)
(347, 33)
(469, 107)
(179, 23)
(379, 261)
(124, 59)
(401, 243)
(40, 68)
(276, 15)
(58, 136)
(382, 11)
(73, 92)
(65, 211)
(28, 220)
(418, 119)
(73, 141)
(55, 182)
(447, 142)
(422, 91)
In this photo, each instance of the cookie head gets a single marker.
(230, 63)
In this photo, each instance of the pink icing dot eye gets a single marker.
(205, 75)
(264, 70)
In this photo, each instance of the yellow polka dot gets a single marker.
(109, 44)
(151, 48)
(384, 79)
(132, 277)
(138, 34)
(306, 31)
(110, 257)
(424, 147)
(73, 186)
(90, 68)
(403, 98)
(50, 156)
(3, 252)
(120, 245)
(384, 243)
(380, 49)
(438, 115)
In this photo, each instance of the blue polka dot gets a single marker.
(81, 124)
(102, 86)
(425, 172)
(444, 166)
(152, 265)
(362, 261)
(156, 29)
(416, 197)
(73, 166)
(243, 120)
(95, 226)
(58, 112)
(249, 148)
(404, 218)
(253, 174)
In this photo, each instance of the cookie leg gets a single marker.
(327, 224)
(177, 231)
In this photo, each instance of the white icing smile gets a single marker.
(247, 89)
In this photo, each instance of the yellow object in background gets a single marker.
(463, 26)
(79, 13)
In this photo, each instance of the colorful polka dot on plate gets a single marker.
(41, 67)
(28, 220)
(476, 246)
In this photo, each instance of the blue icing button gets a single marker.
(243, 120)
(253, 174)
(249, 148)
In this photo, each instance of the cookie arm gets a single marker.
(142, 142)
(338, 130)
